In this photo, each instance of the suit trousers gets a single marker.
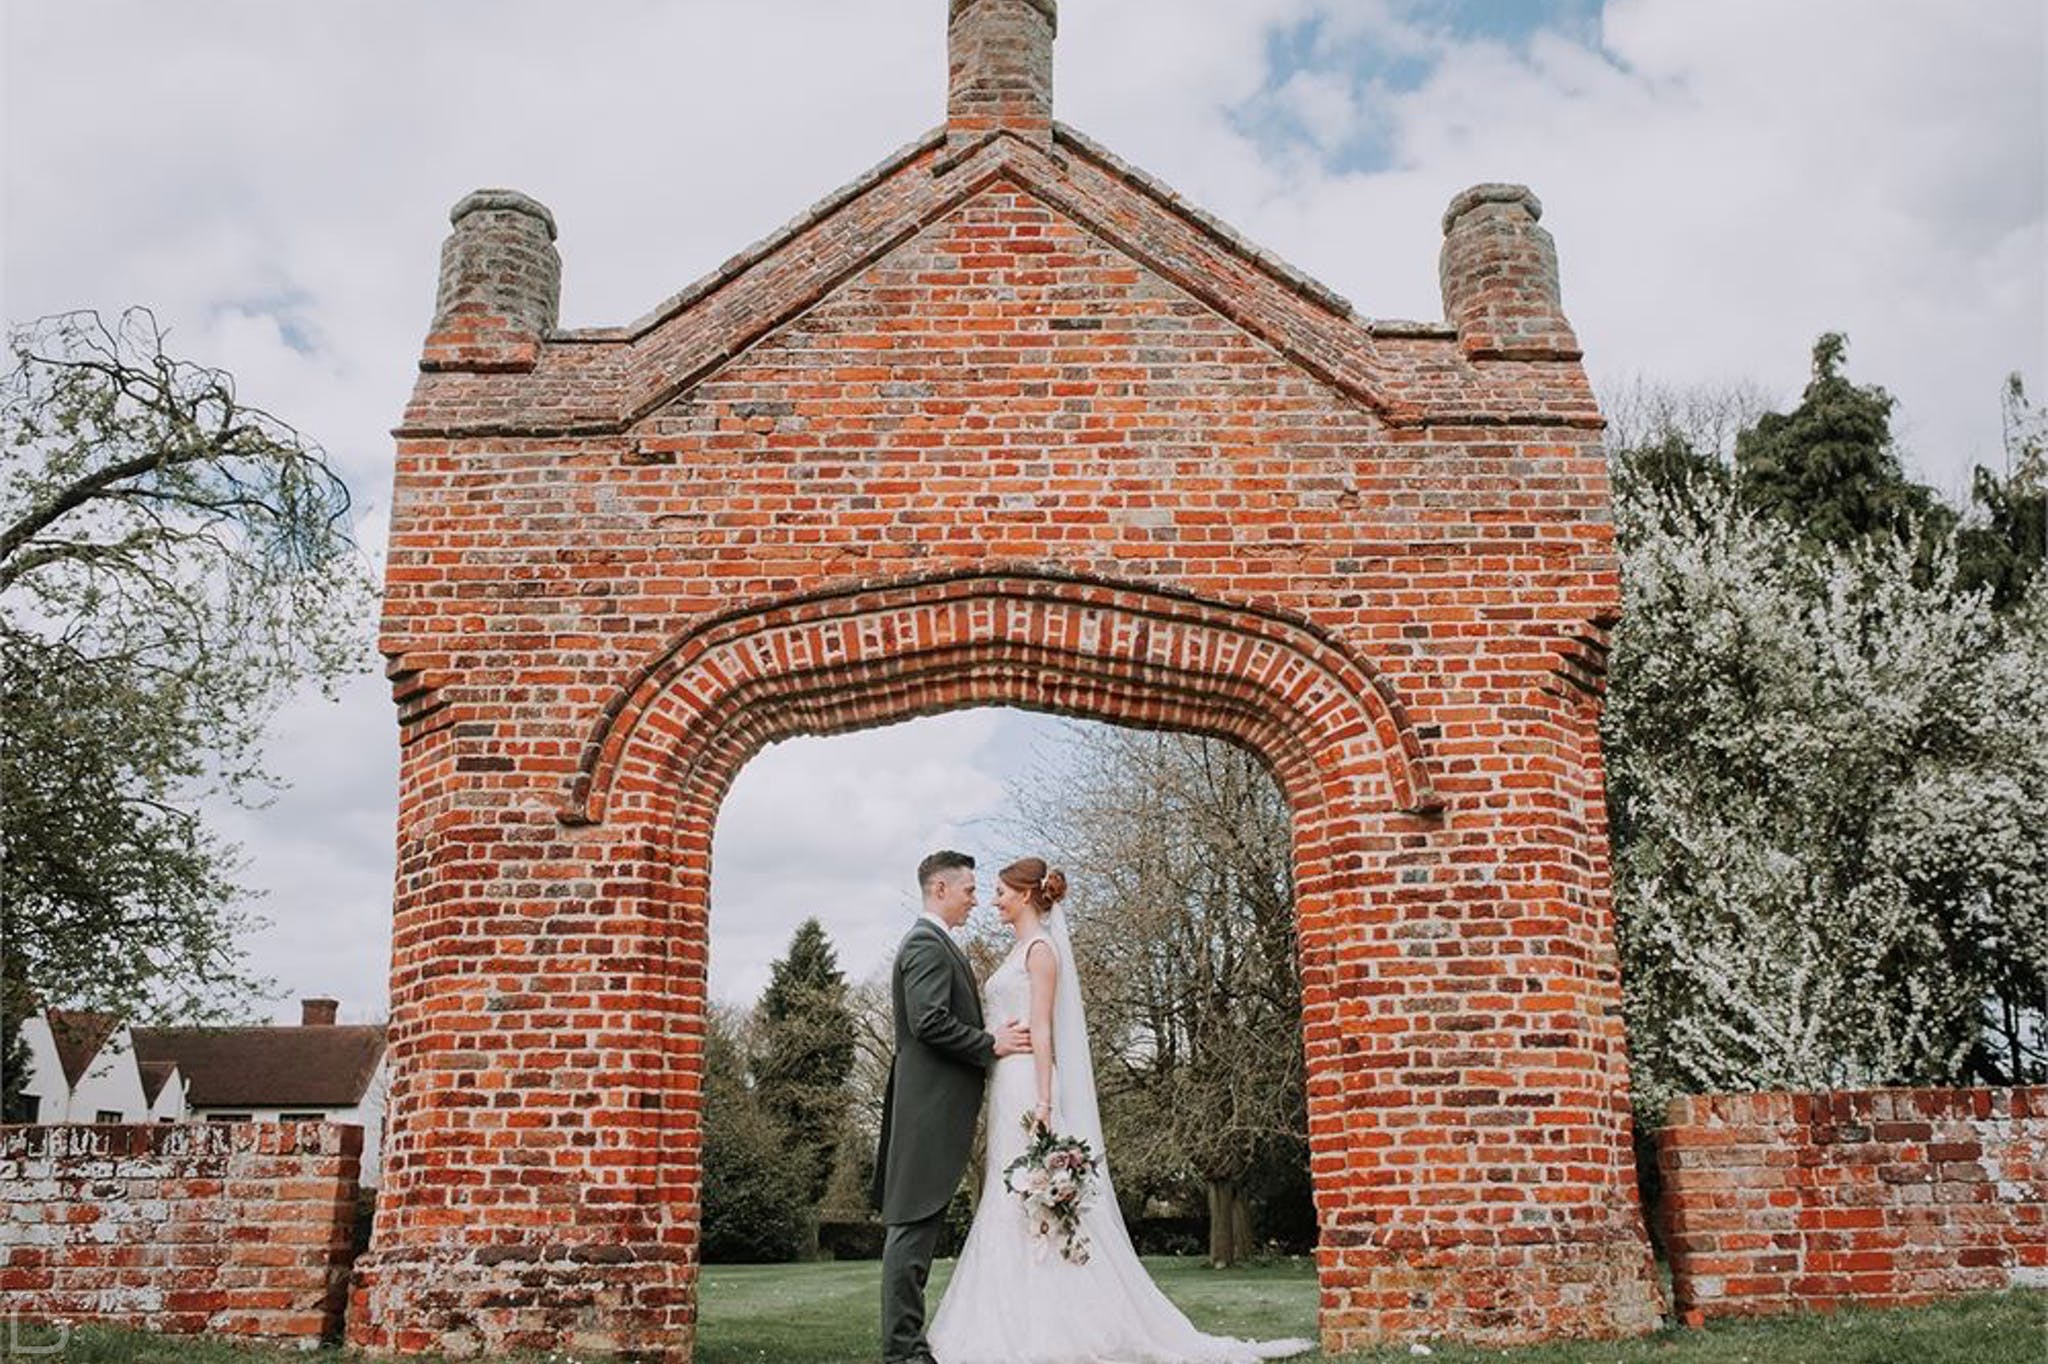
(906, 1264)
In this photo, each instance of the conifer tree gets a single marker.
(1828, 468)
(804, 1051)
(755, 1204)
(2003, 545)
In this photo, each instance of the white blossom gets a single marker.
(1829, 777)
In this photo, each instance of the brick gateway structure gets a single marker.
(1003, 422)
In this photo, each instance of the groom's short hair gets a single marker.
(937, 864)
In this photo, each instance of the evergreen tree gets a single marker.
(1828, 467)
(804, 1052)
(1651, 474)
(755, 1202)
(2004, 544)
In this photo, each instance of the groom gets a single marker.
(935, 1090)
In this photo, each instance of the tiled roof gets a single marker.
(267, 1067)
(154, 1073)
(79, 1035)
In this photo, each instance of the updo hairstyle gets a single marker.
(1046, 886)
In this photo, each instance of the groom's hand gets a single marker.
(1012, 1038)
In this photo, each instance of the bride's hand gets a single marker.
(1042, 1113)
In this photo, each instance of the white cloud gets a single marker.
(1725, 181)
(833, 828)
(322, 854)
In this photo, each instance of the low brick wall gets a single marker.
(1775, 1202)
(224, 1228)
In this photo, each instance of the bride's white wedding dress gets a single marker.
(1014, 1299)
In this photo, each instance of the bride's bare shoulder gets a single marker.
(1036, 960)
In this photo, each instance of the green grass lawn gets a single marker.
(814, 1314)
(826, 1314)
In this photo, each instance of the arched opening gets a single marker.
(1179, 853)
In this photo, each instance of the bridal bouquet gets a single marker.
(1056, 1177)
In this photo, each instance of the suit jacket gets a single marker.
(936, 1080)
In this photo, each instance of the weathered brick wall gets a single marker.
(225, 1228)
(1004, 422)
(1780, 1201)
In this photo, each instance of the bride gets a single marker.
(1014, 1298)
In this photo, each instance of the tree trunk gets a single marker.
(1229, 1223)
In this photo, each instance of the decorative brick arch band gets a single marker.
(844, 660)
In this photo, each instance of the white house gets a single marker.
(318, 1070)
(88, 1067)
(83, 1068)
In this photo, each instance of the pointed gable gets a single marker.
(1499, 275)
(79, 1034)
(154, 1076)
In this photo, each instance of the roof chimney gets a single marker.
(501, 284)
(317, 1013)
(1499, 272)
(1000, 73)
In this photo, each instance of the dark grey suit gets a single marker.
(943, 1053)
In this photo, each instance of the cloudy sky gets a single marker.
(1725, 180)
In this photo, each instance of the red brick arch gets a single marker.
(1005, 421)
(1125, 652)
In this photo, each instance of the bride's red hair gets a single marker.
(1046, 886)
